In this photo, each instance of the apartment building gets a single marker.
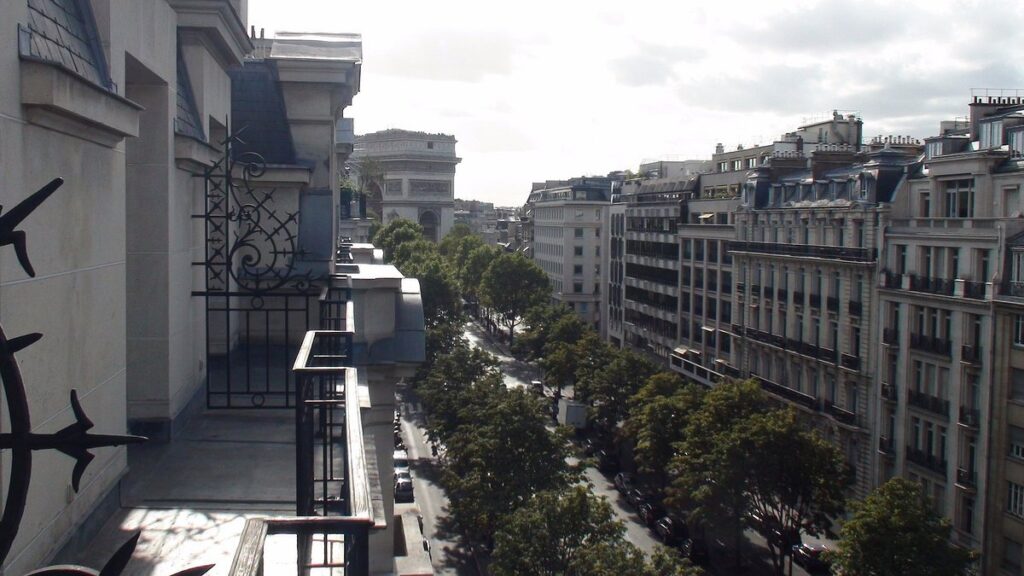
(567, 219)
(418, 170)
(949, 351)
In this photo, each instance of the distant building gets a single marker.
(418, 173)
(566, 218)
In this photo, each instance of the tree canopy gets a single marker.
(895, 530)
(510, 286)
(657, 421)
(389, 238)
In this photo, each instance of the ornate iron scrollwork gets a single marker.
(73, 440)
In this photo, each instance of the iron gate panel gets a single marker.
(260, 294)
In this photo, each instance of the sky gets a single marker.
(545, 90)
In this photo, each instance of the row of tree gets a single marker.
(731, 458)
(511, 488)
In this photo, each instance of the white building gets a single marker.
(418, 176)
(567, 220)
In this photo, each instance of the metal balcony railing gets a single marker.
(970, 417)
(886, 445)
(851, 362)
(970, 354)
(891, 336)
(841, 414)
(966, 477)
(926, 460)
(892, 279)
(806, 250)
(931, 285)
(940, 346)
(855, 308)
(974, 290)
(928, 402)
(790, 394)
(832, 303)
(889, 392)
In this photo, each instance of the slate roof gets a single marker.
(257, 110)
(64, 32)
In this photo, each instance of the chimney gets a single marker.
(261, 33)
(719, 148)
(252, 32)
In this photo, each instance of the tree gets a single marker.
(559, 365)
(471, 270)
(708, 474)
(389, 237)
(895, 530)
(510, 286)
(574, 533)
(446, 389)
(795, 478)
(613, 385)
(547, 323)
(499, 457)
(593, 355)
(657, 421)
(452, 243)
(545, 534)
(442, 301)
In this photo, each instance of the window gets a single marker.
(1015, 499)
(577, 287)
(577, 269)
(991, 134)
(1011, 200)
(578, 232)
(1016, 434)
(1017, 384)
(577, 250)
(960, 199)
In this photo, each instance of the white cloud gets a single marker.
(542, 90)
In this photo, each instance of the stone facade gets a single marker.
(418, 172)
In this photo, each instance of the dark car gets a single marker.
(589, 446)
(810, 556)
(671, 529)
(649, 512)
(637, 496)
(624, 481)
(695, 549)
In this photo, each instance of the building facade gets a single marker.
(949, 352)
(567, 221)
(418, 174)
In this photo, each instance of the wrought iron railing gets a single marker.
(806, 250)
(928, 402)
(927, 460)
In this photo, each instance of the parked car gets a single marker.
(809, 555)
(637, 496)
(650, 512)
(671, 529)
(403, 487)
(624, 481)
(401, 461)
(537, 387)
(783, 538)
(695, 549)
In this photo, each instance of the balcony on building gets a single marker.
(969, 417)
(886, 445)
(967, 478)
(927, 460)
(932, 344)
(843, 253)
(924, 401)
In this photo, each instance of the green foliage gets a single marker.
(559, 365)
(499, 457)
(447, 387)
(797, 479)
(895, 530)
(510, 286)
(611, 387)
(621, 558)
(452, 241)
(547, 322)
(390, 237)
(442, 301)
(657, 420)
(546, 534)
(708, 474)
(471, 270)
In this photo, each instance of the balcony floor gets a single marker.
(191, 497)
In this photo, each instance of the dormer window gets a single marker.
(430, 145)
(1016, 141)
(934, 149)
(991, 134)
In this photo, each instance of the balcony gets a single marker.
(891, 336)
(924, 343)
(798, 297)
(789, 394)
(781, 295)
(970, 417)
(889, 392)
(815, 300)
(832, 303)
(841, 414)
(850, 362)
(928, 402)
(927, 461)
(975, 290)
(892, 279)
(970, 354)
(966, 478)
(931, 285)
(885, 445)
(806, 250)
(855, 308)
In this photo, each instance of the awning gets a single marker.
(707, 215)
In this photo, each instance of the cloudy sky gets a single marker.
(544, 90)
